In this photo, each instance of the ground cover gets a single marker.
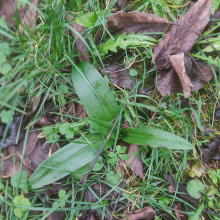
(109, 109)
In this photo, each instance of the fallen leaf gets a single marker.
(8, 9)
(178, 208)
(36, 151)
(43, 121)
(177, 62)
(210, 150)
(12, 136)
(145, 213)
(136, 22)
(122, 3)
(29, 18)
(80, 46)
(179, 39)
(168, 81)
(120, 77)
(135, 161)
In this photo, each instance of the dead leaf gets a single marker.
(177, 62)
(8, 9)
(43, 121)
(80, 46)
(136, 22)
(36, 151)
(178, 38)
(168, 81)
(135, 161)
(29, 18)
(12, 134)
(179, 211)
(210, 150)
(122, 4)
(145, 213)
(120, 77)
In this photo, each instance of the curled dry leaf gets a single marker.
(134, 161)
(136, 22)
(80, 46)
(168, 81)
(183, 35)
(177, 62)
(145, 213)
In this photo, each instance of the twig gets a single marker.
(116, 203)
(84, 178)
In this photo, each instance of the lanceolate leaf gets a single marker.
(94, 92)
(155, 138)
(103, 127)
(68, 159)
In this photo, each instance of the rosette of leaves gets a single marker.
(102, 108)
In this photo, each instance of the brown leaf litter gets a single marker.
(180, 39)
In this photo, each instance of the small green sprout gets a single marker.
(62, 196)
(120, 152)
(215, 176)
(22, 201)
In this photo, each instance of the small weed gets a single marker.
(120, 152)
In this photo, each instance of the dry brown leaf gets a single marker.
(177, 62)
(58, 215)
(135, 160)
(168, 81)
(80, 46)
(145, 213)
(179, 39)
(29, 18)
(136, 22)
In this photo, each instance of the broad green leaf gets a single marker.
(194, 188)
(113, 159)
(111, 154)
(133, 72)
(155, 138)
(124, 157)
(98, 166)
(22, 182)
(63, 128)
(88, 19)
(6, 116)
(5, 68)
(4, 48)
(103, 127)
(67, 159)
(80, 172)
(63, 89)
(113, 178)
(48, 130)
(121, 150)
(94, 92)
(22, 201)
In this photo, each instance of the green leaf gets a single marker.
(2, 59)
(111, 154)
(5, 68)
(124, 157)
(194, 188)
(113, 159)
(155, 138)
(122, 41)
(80, 172)
(23, 180)
(88, 19)
(63, 128)
(5, 116)
(133, 72)
(5, 49)
(22, 201)
(63, 89)
(98, 166)
(103, 127)
(48, 130)
(62, 194)
(94, 92)
(3, 23)
(67, 159)
(122, 150)
(112, 178)
(118, 148)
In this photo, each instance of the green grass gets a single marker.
(42, 61)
